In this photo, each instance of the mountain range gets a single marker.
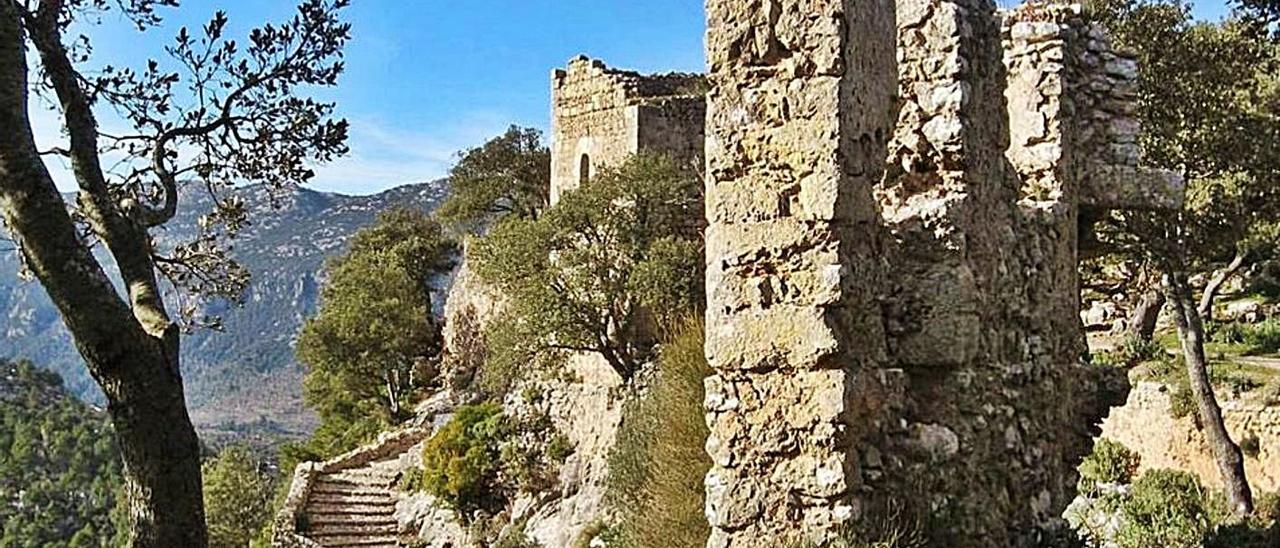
(241, 380)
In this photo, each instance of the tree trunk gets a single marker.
(1142, 321)
(160, 449)
(1215, 284)
(1225, 451)
(135, 364)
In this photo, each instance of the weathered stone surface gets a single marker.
(600, 116)
(893, 305)
(1146, 425)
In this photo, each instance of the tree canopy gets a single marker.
(60, 476)
(508, 175)
(374, 344)
(599, 270)
(237, 498)
(213, 111)
(1208, 105)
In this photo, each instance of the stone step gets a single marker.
(360, 541)
(381, 498)
(383, 508)
(348, 488)
(321, 530)
(361, 477)
(344, 518)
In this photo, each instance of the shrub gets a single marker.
(1136, 350)
(1110, 462)
(1182, 402)
(461, 462)
(483, 455)
(1166, 509)
(657, 467)
(237, 498)
(1263, 338)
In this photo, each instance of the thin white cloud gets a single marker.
(383, 156)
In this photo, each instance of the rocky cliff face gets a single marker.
(243, 377)
(584, 404)
(1146, 425)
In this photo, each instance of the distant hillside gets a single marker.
(60, 471)
(242, 380)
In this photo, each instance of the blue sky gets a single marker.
(426, 78)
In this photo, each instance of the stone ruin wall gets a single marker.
(608, 115)
(893, 198)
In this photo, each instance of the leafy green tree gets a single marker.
(374, 345)
(1208, 104)
(237, 498)
(508, 175)
(598, 271)
(213, 111)
(60, 473)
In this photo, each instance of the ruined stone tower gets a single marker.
(601, 116)
(894, 194)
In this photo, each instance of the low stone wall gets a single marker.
(1145, 425)
(286, 528)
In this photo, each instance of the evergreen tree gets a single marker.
(598, 272)
(237, 498)
(508, 175)
(374, 345)
(60, 473)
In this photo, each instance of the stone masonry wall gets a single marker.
(607, 115)
(1072, 107)
(893, 197)
(792, 337)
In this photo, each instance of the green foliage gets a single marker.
(1182, 402)
(60, 472)
(1166, 509)
(1209, 104)
(597, 272)
(483, 456)
(460, 463)
(1263, 338)
(1252, 339)
(1131, 352)
(237, 498)
(509, 175)
(657, 467)
(559, 448)
(1110, 462)
(374, 345)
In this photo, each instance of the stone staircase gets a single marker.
(348, 501)
(353, 507)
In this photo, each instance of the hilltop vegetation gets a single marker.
(60, 472)
(242, 379)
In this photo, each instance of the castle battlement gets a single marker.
(600, 116)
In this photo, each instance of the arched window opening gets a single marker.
(584, 170)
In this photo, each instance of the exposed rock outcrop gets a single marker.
(1146, 425)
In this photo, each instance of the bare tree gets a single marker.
(212, 114)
